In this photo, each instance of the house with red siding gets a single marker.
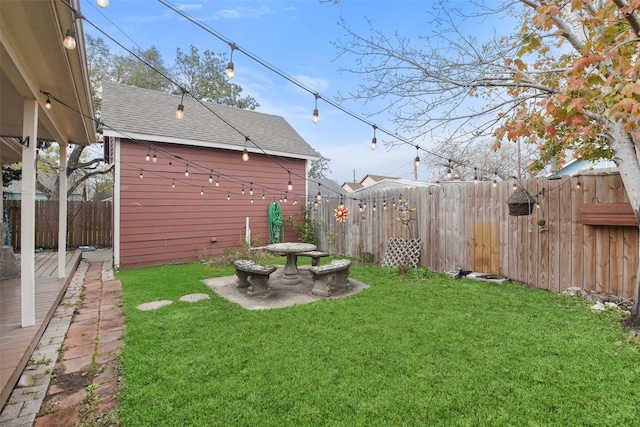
(182, 189)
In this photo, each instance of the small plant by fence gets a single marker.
(88, 223)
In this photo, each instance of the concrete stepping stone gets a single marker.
(154, 305)
(194, 297)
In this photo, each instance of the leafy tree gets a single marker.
(567, 80)
(203, 76)
(10, 173)
(319, 168)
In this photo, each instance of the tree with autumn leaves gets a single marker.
(567, 79)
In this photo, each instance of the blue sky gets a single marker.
(294, 36)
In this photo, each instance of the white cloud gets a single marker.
(192, 6)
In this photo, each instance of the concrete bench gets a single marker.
(252, 278)
(315, 256)
(326, 277)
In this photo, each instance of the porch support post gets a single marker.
(28, 217)
(62, 212)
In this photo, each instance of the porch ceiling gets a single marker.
(33, 60)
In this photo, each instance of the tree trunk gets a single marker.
(626, 158)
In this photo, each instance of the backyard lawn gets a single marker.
(418, 349)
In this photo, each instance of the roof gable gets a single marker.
(132, 112)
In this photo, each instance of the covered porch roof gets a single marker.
(32, 61)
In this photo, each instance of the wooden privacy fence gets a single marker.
(589, 238)
(88, 223)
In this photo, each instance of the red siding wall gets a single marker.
(164, 225)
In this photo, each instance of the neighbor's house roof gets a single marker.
(147, 115)
(578, 166)
(46, 179)
(370, 179)
(394, 183)
(32, 61)
(328, 187)
(351, 186)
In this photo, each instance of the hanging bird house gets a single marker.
(520, 203)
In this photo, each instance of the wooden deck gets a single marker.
(17, 343)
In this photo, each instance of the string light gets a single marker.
(393, 203)
(245, 153)
(103, 3)
(374, 141)
(243, 189)
(416, 162)
(173, 183)
(229, 195)
(180, 110)
(155, 156)
(140, 173)
(495, 179)
(515, 184)
(251, 188)
(230, 67)
(285, 197)
(263, 195)
(148, 156)
(289, 184)
(217, 180)
(47, 103)
(186, 171)
(202, 191)
(384, 205)
(449, 173)
(252, 200)
(211, 176)
(315, 117)
(295, 200)
(578, 185)
(374, 207)
(400, 199)
(69, 41)
(319, 196)
(475, 175)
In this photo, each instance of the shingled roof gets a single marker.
(132, 112)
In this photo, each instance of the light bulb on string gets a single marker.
(70, 39)
(374, 140)
(229, 195)
(295, 200)
(416, 162)
(449, 173)
(217, 180)
(186, 171)
(231, 72)
(148, 156)
(211, 177)
(315, 117)
(245, 153)
(475, 175)
(263, 195)
(180, 109)
(47, 103)
(289, 184)
(285, 196)
(173, 183)
(243, 189)
(140, 173)
(578, 185)
(103, 3)
(202, 191)
(155, 156)
(251, 188)
(384, 205)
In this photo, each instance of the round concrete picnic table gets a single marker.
(290, 276)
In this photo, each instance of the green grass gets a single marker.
(420, 349)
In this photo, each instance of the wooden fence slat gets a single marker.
(88, 223)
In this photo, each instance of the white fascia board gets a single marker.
(206, 144)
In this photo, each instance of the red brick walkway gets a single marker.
(87, 383)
